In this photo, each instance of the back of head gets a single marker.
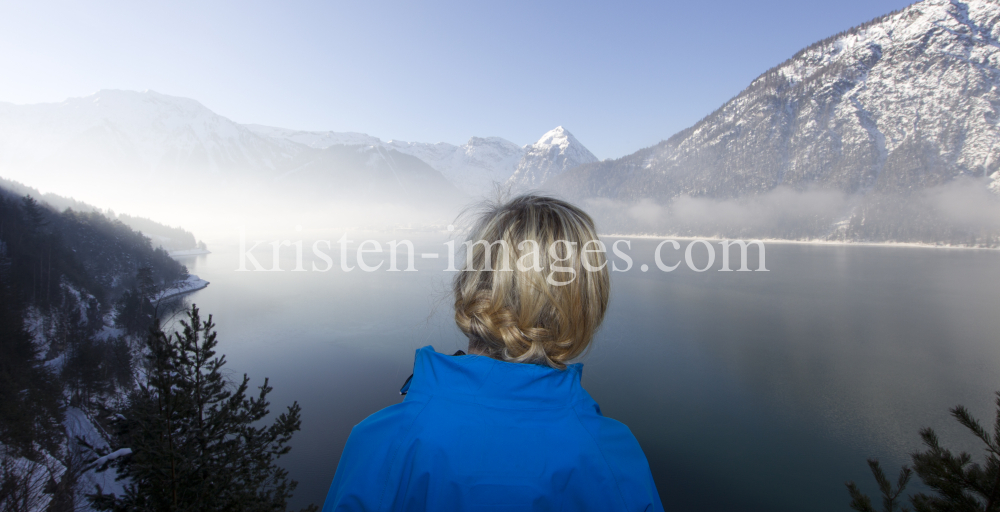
(535, 285)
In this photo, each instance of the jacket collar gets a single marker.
(484, 380)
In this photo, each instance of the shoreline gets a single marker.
(911, 245)
(188, 252)
(192, 284)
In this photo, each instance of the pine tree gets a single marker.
(189, 439)
(30, 412)
(959, 484)
(33, 213)
(135, 307)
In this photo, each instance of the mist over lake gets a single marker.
(746, 390)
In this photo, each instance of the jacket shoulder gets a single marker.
(624, 457)
(363, 471)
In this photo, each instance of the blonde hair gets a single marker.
(535, 285)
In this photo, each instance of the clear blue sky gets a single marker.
(619, 75)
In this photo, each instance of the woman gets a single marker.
(507, 427)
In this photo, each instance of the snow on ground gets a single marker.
(192, 283)
(112, 456)
(38, 473)
(109, 331)
(78, 424)
(188, 252)
(56, 363)
(34, 322)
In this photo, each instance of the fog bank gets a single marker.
(961, 212)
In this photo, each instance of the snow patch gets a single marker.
(100, 461)
(188, 252)
(191, 284)
(77, 424)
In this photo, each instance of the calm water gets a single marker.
(746, 390)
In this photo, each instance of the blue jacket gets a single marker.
(475, 433)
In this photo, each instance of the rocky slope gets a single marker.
(904, 102)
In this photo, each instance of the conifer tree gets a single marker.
(135, 307)
(30, 412)
(959, 484)
(191, 440)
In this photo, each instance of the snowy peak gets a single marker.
(554, 153)
(900, 103)
(562, 141)
(557, 136)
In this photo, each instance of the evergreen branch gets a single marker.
(859, 501)
(883, 482)
(965, 418)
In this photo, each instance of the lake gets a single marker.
(747, 390)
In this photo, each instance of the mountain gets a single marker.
(139, 141)
(316, 140)
(908, 100)
(892, 116)
(361, 173)
(474, 166)
(140, 132)
(553, 154)
(148, 153)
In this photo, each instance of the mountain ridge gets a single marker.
(891, 126)
(146, 131)
(133, 136)
(822, 104)
(474, 167)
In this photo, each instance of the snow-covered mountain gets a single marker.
(130, 137)
(317, 140)
(473, 167)
(151, 147)
(553, 154)
(137, 132)
(907, 101)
